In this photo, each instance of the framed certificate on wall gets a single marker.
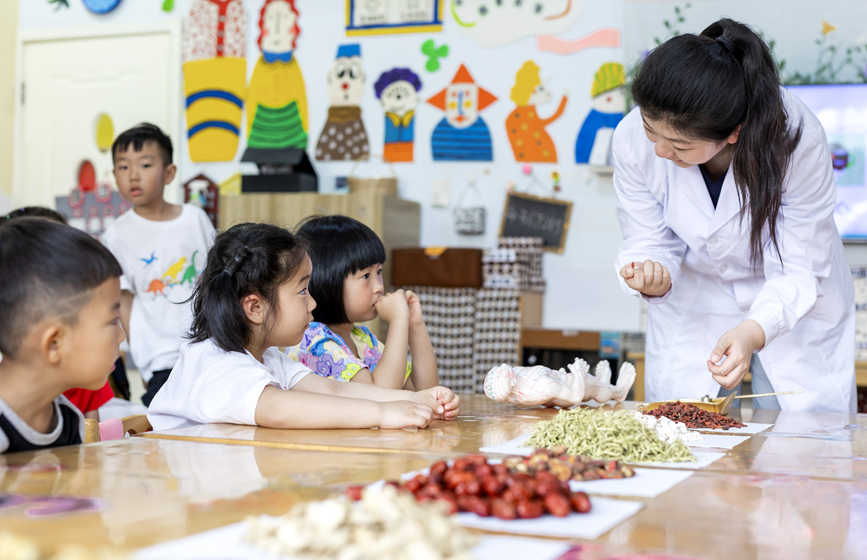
(382, 17)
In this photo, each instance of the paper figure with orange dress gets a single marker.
(608, 108)
(397, 90)
(462, 134)
(276, 98)
(215, 77)
(526, 130)
(344, 136)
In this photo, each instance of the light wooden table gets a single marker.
(796, 494)
(830, 446)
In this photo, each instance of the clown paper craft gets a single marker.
(276, 98)
(397, 91)
(462, 135)
(608, 108)
(526, 130)
(344, 136)
(215, 77)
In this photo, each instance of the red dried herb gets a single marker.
(694, 417)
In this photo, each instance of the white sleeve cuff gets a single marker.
(770, 321)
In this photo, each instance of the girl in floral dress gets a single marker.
(347, 285)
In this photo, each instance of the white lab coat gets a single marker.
(806, 307)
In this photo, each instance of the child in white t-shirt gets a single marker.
(161, 247)
(252, 298)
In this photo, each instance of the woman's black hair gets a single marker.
(245, 259)
(704, 86)
(46, 270)
(339, 246)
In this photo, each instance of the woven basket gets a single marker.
(376, 185)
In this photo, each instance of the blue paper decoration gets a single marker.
(101, 6)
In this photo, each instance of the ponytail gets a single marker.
(704, 86)
(246, 259)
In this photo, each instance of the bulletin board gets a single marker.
(398, 16)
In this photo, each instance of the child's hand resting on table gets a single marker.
(445, 404)
(393, 307)
(405, 414)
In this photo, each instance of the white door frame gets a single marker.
(172, 27)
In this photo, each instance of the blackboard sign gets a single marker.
(532, 216)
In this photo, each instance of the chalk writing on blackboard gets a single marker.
(531, 216)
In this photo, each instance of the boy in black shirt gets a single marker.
(60, 328)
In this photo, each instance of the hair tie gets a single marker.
(726, 43)
(226, 272)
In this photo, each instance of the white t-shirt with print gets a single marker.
(161, 262)
(210, 386)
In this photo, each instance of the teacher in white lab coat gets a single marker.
(725, 196)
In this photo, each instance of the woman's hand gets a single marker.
(405, 414)
(650, 278)
(445, 403)
(414, 304)
(392, 307)
(737, 345)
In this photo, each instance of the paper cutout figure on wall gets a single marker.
(344, 136)
(276, 98)
(397, 91)
(605, 37)
(462, 135)
(492, 24)
(608, 107)
(526, 130)
(434, 54)
(215, 77)
(59, 4)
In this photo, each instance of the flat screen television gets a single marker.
(842, 110)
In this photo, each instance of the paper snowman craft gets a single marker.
(608, 108)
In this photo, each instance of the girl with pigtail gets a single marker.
(253, 298)
(725, 195)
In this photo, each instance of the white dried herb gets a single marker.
(385, 525)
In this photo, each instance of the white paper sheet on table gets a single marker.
(749, 429)
(605, 515)
(719, 442)
(647, 483)
(513, 447)
(226, 543)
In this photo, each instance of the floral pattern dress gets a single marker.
(328, 355)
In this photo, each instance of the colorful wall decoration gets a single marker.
(525, 128)
(433, 54)
(462, 134)
(381, 17)
(608, 107)
(493, 24)
(397, 91)
(101, 6)
(344, 137)
(215, 77)
(276, 99)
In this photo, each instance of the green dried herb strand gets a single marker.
(606, 435)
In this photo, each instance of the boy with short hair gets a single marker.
(88, 402)
(60, 329)
(161, 247)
